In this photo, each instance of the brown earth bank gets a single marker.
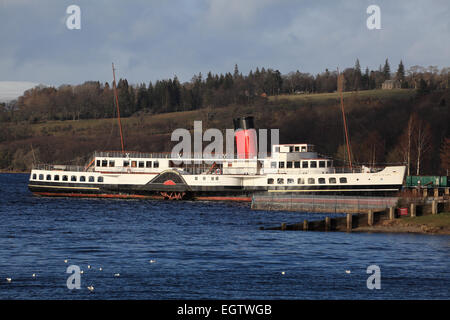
(431, 224)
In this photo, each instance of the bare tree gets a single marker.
(422, 140)
(445, 155)
(406, 139)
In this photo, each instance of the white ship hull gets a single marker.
(147, 176)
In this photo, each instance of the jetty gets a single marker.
(409, 204)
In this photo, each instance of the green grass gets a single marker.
(327, 97)
(438, 220)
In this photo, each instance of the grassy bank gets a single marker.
(429, 224)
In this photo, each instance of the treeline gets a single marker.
(93, 100)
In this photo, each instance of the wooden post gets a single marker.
(349, 221)
(447, 191)
(370, 218)
(413, 210)
(434, 207)
(425, 192)
(391, 213)
(283, 226)
(327, 223)
(436, 192)
(305, 225)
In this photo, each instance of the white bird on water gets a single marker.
(65, 261)
(100, 269)
(81, 272)
(8, 280)
(116, 274)
(283, 273)
(348, 271)
(34, 275)
(91, 288)
(89, 266)
(152, 261)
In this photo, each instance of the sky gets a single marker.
(150, 40)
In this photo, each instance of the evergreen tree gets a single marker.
(357, 76)
(236, 72)
(400, 75)
(386, 70)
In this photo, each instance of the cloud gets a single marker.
(149, 40)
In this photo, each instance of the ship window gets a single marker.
(56, 178)
(126, 163)
(212, 178)
(34, 176)
(91, 179)
(277, 149)
(273, 164)
(303, 149)
(270, 181)
(204, 178)
(281, 164)
(301, 181)
(343, 180)
(322, 180)
(321, 164)
(196, 178)
(100, 179)
(332, 180)
(289, 164)
(217, 178)
(65, 178)
(112, 163)
(148, 164)
(313, 164)
(82, 179)
(297, 149)
(311, 181)
(133, 164)
(49, 177)
(297, 164)
(141, 164)
(98, 163)
(329, 164)
(291, 149)
(304, 164)
(280, 181)
(290, 181)
(104, 163)
(156, 164)
(41, 177)
(73, 178)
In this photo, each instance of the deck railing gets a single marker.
(54, 167)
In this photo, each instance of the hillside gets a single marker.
(376, 119)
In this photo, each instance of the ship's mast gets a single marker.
(118, 110)
(340, 88)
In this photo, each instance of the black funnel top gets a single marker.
(243, 123)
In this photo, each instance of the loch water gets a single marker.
(200, 250)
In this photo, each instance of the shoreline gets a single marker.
(430, 224)
(15, 172)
